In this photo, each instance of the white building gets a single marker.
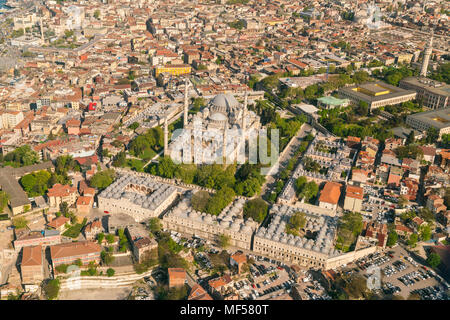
(140, 197)
(184, 219)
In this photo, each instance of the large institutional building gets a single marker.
(140, 197)
(186, 220)
(315, 248)
(376, 94)
(332, 155)
(438, 119)
(434, 94)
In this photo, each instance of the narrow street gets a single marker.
(293, 145)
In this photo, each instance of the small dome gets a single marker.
(218, 116)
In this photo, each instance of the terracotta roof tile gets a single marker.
(330, 193)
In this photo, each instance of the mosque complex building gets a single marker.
(204, 133)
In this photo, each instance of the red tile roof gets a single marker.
(355, 192)
(330, 193)
(58, 222)
(198, 293)
(60, 190)
(32, 256)
(71, 249)
(176, 273)
(84, 201)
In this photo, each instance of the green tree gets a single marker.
(431, 135)
(362, 109)
(409, 151)
(110, 272)
(166, 167)
(51, 289)
(120, 159)
(155, 225)
(427, 215)
(249, 187)
(442, 73)
(100, 237)
(392, 238)
(425, 232)
(96, 14)
(300, 184)
(296, 222)
(357, 287)
(434, 260)
(349, 227)
(20, 222)
(309, 191)
(237, 24)
(224, 241)
(197, 104)
(360, 76)
(64, 209)
(68, 33)
(62, 268)
(103, 179)
(110, 238)
(256, 209)
(133, 126)
(220, 200)
(28, 182)
(200, 200)
(410, 138)
(413, 240)
(107, 257)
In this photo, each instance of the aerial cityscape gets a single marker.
(224, 150)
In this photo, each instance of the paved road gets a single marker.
(293, 145)
(6, 270)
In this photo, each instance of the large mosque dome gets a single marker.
(223, 107)
(225, 101)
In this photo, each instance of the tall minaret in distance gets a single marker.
(186, 102)
(244, 113)
(42, 31)
(426, 57)
(241, 155)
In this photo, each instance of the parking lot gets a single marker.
(377, 208)
(270, 279)
(401, 274)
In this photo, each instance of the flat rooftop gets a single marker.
(330, 100)
(375, 91)
(437, 118)
(9, 183)
(433, 86)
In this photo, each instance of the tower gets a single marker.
(224, 151)
(241, 153)
(166, 138)
(42, 31)
(426, 56)
(244, 112)
(186, 102)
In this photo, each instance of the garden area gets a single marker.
(75, 230)
(349, 228)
